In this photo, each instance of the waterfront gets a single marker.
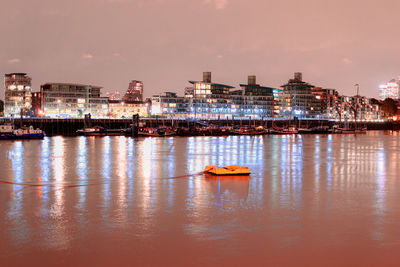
(310, 200)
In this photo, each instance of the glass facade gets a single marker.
(73, 100)
(18, 94)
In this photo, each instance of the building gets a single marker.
(390, 90)
(18, 94)
(209, 100)
(169, 105)
(36, 109)
(298, 100)
(73, 100)
(328, 99)
(113, 95)
(256, 101)
(357, 108)
(120, 109)
(134, 92)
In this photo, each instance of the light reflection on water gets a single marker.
(325, 192)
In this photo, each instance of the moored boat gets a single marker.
(8, 132)
(250, 131)
(289, 130)
(157, 132)
(92, 131)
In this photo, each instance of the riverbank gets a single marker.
(68, 127)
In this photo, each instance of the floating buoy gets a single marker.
(228, 170)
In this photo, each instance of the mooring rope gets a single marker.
(89, 184)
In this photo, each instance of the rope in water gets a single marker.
(82, 185)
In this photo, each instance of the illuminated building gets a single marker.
(36, 109)
(298, 100)
(18, 94)
(390, 90)
(328, 101)
(134, 92)
(209, 100)
(257, 101)
(121, 109)
(73, 100)
(113, 95)
(169, 105)
(357, 107)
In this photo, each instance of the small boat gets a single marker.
(349, 130)
(211, 131)
(228, 170)
(99, 131)
(304, 130)
(289, 130)
(160, 132)
(250, 131)
(92, 131)
(8, 132)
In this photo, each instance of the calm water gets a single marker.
(311, 200)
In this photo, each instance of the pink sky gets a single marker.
(164, 43)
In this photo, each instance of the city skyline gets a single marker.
(111, 42)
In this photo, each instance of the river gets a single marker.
(319, 200)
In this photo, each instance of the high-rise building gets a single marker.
(134, 92)
(390, 90)
(18, 94)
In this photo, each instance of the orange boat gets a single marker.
(228, 170)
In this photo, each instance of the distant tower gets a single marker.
(18, 94)
(207, 77)
(134, 93)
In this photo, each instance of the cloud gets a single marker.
(87, 56)
(14, 60)
(347, 61)
(219, 4)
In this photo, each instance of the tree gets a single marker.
(374, 101)
(1, 106)
(389, 106)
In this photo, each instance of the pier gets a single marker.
(68, 127)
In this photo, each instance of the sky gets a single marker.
(165, 43)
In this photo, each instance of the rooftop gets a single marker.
(73, 84)
(216, 84)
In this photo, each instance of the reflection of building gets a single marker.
(134, 92)
(18, 94)
(390, 90)
(121, 109)
(73, 100)
(169, 104)
(298, 100)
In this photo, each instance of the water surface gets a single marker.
(323, 200)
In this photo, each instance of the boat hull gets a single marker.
(21, 136)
